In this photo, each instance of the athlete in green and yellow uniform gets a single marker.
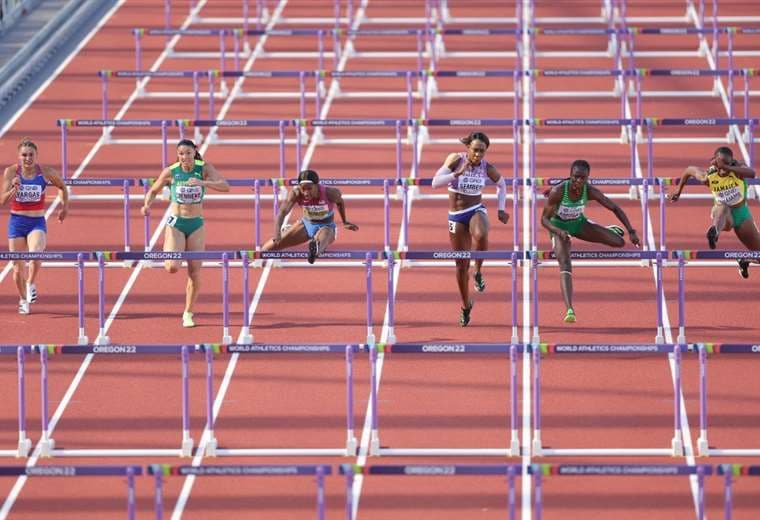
(188, 179)
(563, 217)
(726, 179)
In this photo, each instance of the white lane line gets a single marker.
(526, 481)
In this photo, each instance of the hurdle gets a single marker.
(60, 258)
(82, 471)
(155, 258)
(212, 448)
(47, 443)
(543, 472)
(393, 347)
(507, 471)
(730, 472)
(610, 258)
(712, 258)
(195, 75)
(334, 258)
(319, 471)
(24, 443)
(107, 125)
(676, 449)
(278, 186)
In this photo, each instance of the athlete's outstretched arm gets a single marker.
(336, 197)
(595, 194)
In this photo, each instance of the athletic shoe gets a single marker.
(570, 316)
(23, 307)
(480, 283)
(744, 268)
(712, 237)
(312, 251)
(616, 229)
(31, 292)
(187, 319)
(464, 315)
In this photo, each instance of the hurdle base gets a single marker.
(633, 192)
(659, 339)
(606, 452)
(24, 447)
(391, 338)
(703, 448)
(187, 447)
(246, 337)
(374, 443)
(102, 340)
(280, 452)
(371, 339)
(226, 338)
(82, 339)
(351, 446)
(677, 446)
(514, 447)
(445, 452)
(46, 447)
(537, 449)
(734, 452)
(211, 447)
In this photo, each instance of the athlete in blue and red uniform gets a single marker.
(24, 185)
(466, 174)
(317, 225)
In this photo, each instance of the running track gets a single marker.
(426, 402)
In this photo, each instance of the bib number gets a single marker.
(172, 221)
(452, 227)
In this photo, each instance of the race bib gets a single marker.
(730, 196)
(29, 193)
(452, 227)
(189, 194)
(569, 212)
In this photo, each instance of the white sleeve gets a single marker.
(443, 177)
(501, 194)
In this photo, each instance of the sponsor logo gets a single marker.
(699, 121)
(444, 348)
(464, 255)
(115, 349)
(430, 470)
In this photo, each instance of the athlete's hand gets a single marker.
(145, 210)
(674, 195)
(194, 181)
(276, 240)
(634, 238)
(62, 213)
(503, 216)
(563, 235)
(350, 226)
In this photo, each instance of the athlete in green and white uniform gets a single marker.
(563, 217)
(188, 179)
(727, 180)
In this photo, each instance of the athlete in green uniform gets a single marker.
(726, 179)
(188, 179)
(563, 217)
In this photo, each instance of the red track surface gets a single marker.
(462, 402)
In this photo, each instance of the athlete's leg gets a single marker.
(461, 240)
(324, 237)
(19, 274)
(292, 237)
(195, 242)
(592, 232)
(174, 240)
(562, 250)
(479, 227)
(37, 241)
